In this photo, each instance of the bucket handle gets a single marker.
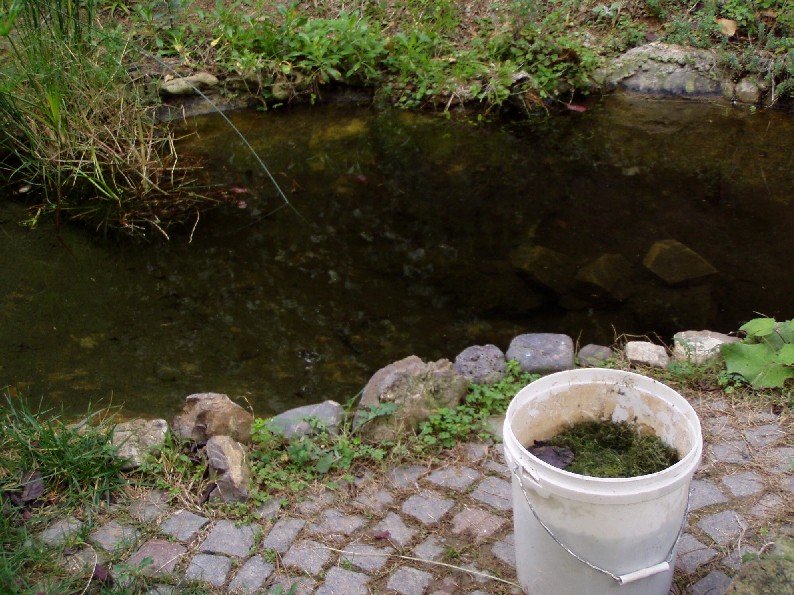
(621, 579)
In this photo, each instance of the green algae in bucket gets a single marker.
(606, 449)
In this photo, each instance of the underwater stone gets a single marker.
(607, 277)
(674, 263)
(551, 269)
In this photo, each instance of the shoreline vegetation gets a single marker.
(83, 142)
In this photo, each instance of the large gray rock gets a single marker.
(416, 388)
(229, 469)
(542, 352)
(187, 85)
(699, 347)
(138, 437)
(647, 354)
(665, 69)
(212, 414)
(674, 263)
(482, 364)
(293, 422)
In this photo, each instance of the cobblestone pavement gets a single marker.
(414, 530)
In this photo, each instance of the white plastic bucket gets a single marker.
(580, 535)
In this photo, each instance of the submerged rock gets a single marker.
(674, 263)
(545, 267)
(607, 277)
(416, 388)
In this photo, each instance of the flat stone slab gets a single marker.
(494, 492)
(692, 554)
(430, 549)
(183, 525)
(763, 436)
(209, 568)
(406, 476)
(744, 484)
(336, 523)
(374, 501)
(704, 493)
(409, 581)
(427, 507)
(724, 527)
(114, 536)
(458, 478)
(476, 523)
(715, 582)
(297, 585)
(60, 531)
(367, 557)
(339, 581)
(307, 556)
(393, 529)
(148, 508)
(730, 451)
(282, 535)
(505, 550)
(542, 352)
(229, 539)
(251, 576)
(163, 557)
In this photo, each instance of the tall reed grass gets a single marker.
(75, 128)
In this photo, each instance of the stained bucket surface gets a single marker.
(580, 535)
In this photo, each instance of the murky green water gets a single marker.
(399, 241)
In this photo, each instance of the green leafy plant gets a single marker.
(765, 358)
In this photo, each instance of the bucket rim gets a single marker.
(557, 479)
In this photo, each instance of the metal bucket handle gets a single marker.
(622, 579)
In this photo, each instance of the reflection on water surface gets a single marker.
(406, 234)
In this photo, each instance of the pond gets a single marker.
(405, 234)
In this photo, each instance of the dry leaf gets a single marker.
(727, 27)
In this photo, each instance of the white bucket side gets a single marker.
(620, 524)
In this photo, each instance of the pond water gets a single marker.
(405, 234)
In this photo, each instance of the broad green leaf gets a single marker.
(325, 463)
(749, 361)
(773, 376)
(759, 327)
(786, 355)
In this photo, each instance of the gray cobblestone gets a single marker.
(60, 531)
(409, 581)
(692, 554)
(148, 508)
(307, 556)
(768, 506)
(783, 459)
(457, 478)
(724, 527)
(157, 557)
(704, 493)
(339, 581)
(367, 557)
(427, 507)
(114, 536)
(229, 539)
(744, 484)
(715, 582)
(731, 451)
(336, 523)
(499, 468)
(494, 492)
(374, 501)
(208, 568)
(268, 510)
(476, 452)
(394, 529)
(283, 584)
(282, 535)
(763, 436)
(505, 550)
(317, 503)
(430, 549)
(183, 525)
(476, 523)
(251, 576)
(406, 476)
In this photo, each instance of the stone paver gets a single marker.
(731, 451)
(724, 527)
(183, 525)
(494, 492)
(307, 556)
(283, 534)
(409, 581)
(61, 531)
(367, 557)
(430, 549)
(339, 581)
(148, 508)
(744, 484)
(157, 557)
(374, 501)
(406, 476)
(336, 523)
(251, 576)
(268, 510)
(229, 539)
(114, 536)
(456, 478)
(704, 493)
(505, 550)
(763, 436)
(209, 568)
(427, 507)
(692, 554)
(476, 523)
(714, 583)
(393, 529)
(284, 584)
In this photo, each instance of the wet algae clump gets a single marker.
(607, 449)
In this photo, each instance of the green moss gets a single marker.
(609, 449)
